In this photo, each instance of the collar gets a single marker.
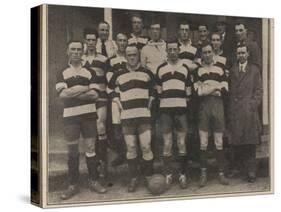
(243, 66)
(127, 67)
(159, 43)
(188, 43)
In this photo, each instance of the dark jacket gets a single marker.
(245, 97)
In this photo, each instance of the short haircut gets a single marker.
(74, 41)
(240, 22)
(241, 46)
(137, 15)
(172, 40)
(132, 46)
(207, 44)
(184, 23)
(155, 21)
(122, 33)
(205, 25)
(104, 22)
(216, 33)
(90, 31)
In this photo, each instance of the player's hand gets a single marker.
(118, 102)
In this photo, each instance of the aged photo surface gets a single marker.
(149, 105)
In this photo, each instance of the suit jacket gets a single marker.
(245, 92)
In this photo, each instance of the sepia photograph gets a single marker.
(151, 106)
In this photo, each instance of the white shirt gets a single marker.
(242, 67)
(110, 46)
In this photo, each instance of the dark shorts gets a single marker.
(211, 114)
(100, 104)
(170, 121)
(73, 128)
(135, 126)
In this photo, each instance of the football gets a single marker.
(157, 184)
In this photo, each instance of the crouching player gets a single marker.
(135, 85)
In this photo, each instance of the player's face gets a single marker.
(203, 32)
(242, 54)
(240, 32)
(137, 25)
(122, 42)
(75, 51)
(103, 31)
(132, 56)
(207, 54)
(91, 41)
(184, 32)
(216, 41)
(172, 51)
(220, 27)
(155, 32)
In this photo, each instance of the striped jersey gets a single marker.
(207, 77)
(173, 86)
(70, 77)
(135, 89)
(140, 41)
(114, 64)
(97, 63)
(187, 53)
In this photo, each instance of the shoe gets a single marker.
(70, 192)
(203, 178)
(222, 179)
(132, 187)
(119, 160)
(252, 177)
(183, 181)
(97, 187)
(169, 180)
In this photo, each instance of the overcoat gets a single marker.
(245, 92)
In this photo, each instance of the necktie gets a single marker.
(240, 70)
(103, 49)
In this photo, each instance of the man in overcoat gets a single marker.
(245, 98)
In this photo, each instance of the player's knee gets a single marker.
(90, 150)
(203, 140)
(218, 141)
(181, 146)
(146, 152)
(167, 149)
(131, 151)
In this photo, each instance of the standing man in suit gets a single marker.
(245, 98)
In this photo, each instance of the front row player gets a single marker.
(77, 88)
(174, 88)
(210, 83)
(136, 93)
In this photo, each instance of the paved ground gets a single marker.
(118, 190)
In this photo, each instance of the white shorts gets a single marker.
(116, 117)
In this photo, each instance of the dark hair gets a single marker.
(207, 44)
(241, 46)
(104, 22)
(184, 23)
(216, 33)
(240, 22)
(137, 15)
(122, 33)
(90, 31)
(203, 25)
(74, 41)
(172, 40)
(155, 21)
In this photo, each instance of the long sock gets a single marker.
(73, 164)
(133, 167)
(183, 164)
(203, 158)
(167, 169)
(102, 147)
(119, 143)
(92, 164)
(147, 167)
(220, 160)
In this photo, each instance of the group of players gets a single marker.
(133, 82)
